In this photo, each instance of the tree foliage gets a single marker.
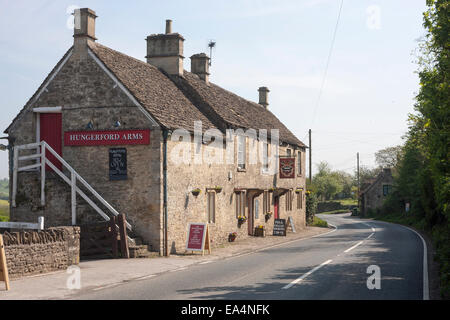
(422, 172)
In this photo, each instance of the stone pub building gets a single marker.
(137, 134)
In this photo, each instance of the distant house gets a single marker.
(374, 194)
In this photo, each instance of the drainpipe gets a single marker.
(166, 243)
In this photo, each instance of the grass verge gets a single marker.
(336, 211)
(317, 222)
(4, 210)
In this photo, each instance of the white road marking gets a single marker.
(106, 287)
(205, 262)
(426, 289)
(306, 274)
(146, 277)
(356, 245)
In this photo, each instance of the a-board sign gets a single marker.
(279, 227)
(198, 238)
(3, 267)
(290, 223)
(117, 164)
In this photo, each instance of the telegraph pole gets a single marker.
(357, 173)
(310, 158)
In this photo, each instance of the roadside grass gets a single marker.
(336, 211)
(317, 222)
(348, 202)
(4, 210)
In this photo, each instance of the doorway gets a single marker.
(50, 131)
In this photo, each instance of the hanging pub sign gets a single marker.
(287, 168)
(117, 164)
(107, 137)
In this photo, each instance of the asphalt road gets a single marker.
(329, 266)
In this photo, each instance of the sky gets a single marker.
(360, 103)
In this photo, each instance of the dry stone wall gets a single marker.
(36, 252)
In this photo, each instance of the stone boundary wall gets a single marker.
(36, 252)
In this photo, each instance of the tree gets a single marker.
(388, 157)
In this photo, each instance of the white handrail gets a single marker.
(74, 176)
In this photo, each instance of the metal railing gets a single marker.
(41, 149)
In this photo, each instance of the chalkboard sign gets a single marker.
(279, 227)
(117, 164)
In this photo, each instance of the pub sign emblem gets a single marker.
(117, 164)
(287, 168)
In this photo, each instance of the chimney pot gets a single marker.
(264, 96)
(168, 26)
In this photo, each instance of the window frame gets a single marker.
(241, 154)
(211, 206)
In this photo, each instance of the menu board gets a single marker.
(198, 237)
(279, 227)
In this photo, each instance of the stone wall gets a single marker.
(36, 252)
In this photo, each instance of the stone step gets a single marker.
(141, 251)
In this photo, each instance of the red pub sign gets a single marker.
(106, 138)
(287, 168)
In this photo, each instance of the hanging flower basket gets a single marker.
(268, 215)
(232, 236)
(196, 192)
(218, 189)
(242, 219)
(272, 189)
(298, 190)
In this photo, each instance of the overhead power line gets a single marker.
(328, 62)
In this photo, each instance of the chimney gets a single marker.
(84, 30)
(264, 96)
(200, 66)
(165, 51)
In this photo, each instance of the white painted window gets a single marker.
(242, 151)
(288, 152)
(300, 200)
(265, 164)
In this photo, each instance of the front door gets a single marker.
(276, 204)
(251, 215)
(51, 132)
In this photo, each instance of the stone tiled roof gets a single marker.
(153, 89)
(237, 111)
